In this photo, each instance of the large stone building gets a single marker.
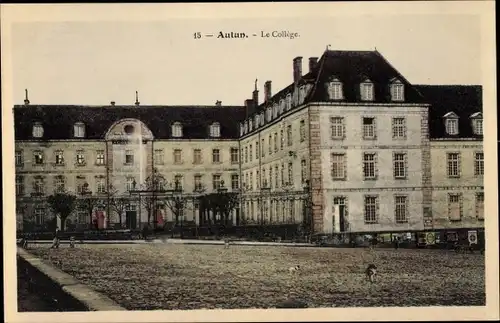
(350, 145)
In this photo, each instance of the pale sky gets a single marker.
(97, 62)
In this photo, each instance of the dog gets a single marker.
(371, 271)
(294, 269)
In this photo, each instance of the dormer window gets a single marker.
(250, 124)
(215, 130)
(282, 106)
(37, 130)
(275, 111)
(242, 130)
(397, 90)
(262, 119)
(177, 130)
(335, 89)
(451, 123)
(302, 94)
(288, 102)
(269, 114)
(79, 130)
(477, 123)
(257, 123)
(366, 89)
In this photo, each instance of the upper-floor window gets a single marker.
(215, 130)
(177, 156)
(100, 184)
(479, 163)
(275, 111)
(197, 156)
(79, 130)
(38, 157)
(216, 181)
(366, 89)
(37, 130)
(335, 89)
(216, 156)
(59, 157)
(289, 135)
(369, 128)
(158, 156)
(477, 123)
(397, 91)
(177, 130)
(337, 127)
(451, 123)
(369, 166)
(99, 157)
(19, 185)
(234, 155)
(302, 130)
(129, 157)
(250, 153)
(257, 121)
(399, 165)
(453, 163)
(130, 183)
(303, 170)
(59, 184)
(399, 128)
(19, 158)
(235, 182)
(80, 157)
(39, 185)
(250, 125)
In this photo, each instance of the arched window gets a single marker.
(335, 89)
(397, 90)
(177, 130)
(215, 130)
(79, 130)
(477, 123)
(451, 123)
(37, 130)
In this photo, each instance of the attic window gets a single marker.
(275, 111)
(257, 124)
(177, 130)
(477, 123)
(451, 123)
(215, 130)
(288, 102)
(302, 94)
(282, 106)
(269, 114)
(397, 91)
(335, 89)
(79, 130)
(37, 130)
(129, 129)
(366, 89)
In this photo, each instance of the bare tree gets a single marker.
(118, 203)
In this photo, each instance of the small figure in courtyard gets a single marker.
(396, 242)
(294, 269)
(373, 242)
(145, 232)
(72, 242)
(226, 243)
(56, 241)
(371, 271)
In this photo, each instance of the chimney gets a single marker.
(313, 61)
(267, 91)
(26, 100)
(137, 99)
(218, 103)
(113, 103)
(297, 69)
(255, 95)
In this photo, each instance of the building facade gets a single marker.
(349, 146)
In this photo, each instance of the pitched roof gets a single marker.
(58, 120)
(463, 100)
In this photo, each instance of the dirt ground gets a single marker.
(141, 277)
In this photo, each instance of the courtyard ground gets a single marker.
(165, 276)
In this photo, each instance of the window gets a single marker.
(81, 215)
(79, 130)
(397, 91)
(177, 130)
(257, 150)
(80, 157)
(276, 176)
(198, 186)
(234, 155)
(19, 158)
(399, 163)
(290, 173)
(101, 185)
(338, 166)
(130, 183)
(367, 91)
(37, 130)
(129, 129)
(368, 128)
(59, 157)
(479, 164)
(453, 160)
(454, 207)
(480, 205)
(275, 142)
(178, 182)
(38, 157)
(257, 179)
(289, 135)
(264, 180)
(196, 156)
(369, 165)
(371, 209)
(235, 182)
(288, 102)
(335, 90)
(129, 157)
(262, 149)
(39, 216)
(19, 185)
(80, 184)
(302, 94)
(270, 144)
(282, 139)
(39, 186)
(250, 153)
(477, 123)
(177, 156)
(269, 114)
(158, 156)
(216, 181)
(401, 209)
(398, 128)
(100, 157)
(59, 184)
(216, 156)
(215, 130)
(270, 182)
(337, 127)
(452, 126)
(275, 111)
(303, 170)
(246, 154)
(302, 130)
(250, 181)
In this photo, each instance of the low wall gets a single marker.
(66, 291)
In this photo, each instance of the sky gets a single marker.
(93, 63)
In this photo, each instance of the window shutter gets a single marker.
(375, 162)
(404, 128)
(374, 128)
(377, 208)
(459, 164)
(406, 164)
(344, 161)
(343, 129)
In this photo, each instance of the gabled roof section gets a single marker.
(58, 120)
(463, 100)
(353, 68)
(451, 115)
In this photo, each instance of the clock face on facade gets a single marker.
(129, 129)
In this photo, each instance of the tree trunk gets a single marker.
(63, 222)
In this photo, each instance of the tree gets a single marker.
(62, 204)
(88, 202)
(118, 203)
(222, 203)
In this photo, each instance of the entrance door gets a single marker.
(340, 201)
(131, 219)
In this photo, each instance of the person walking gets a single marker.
(56, 241)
